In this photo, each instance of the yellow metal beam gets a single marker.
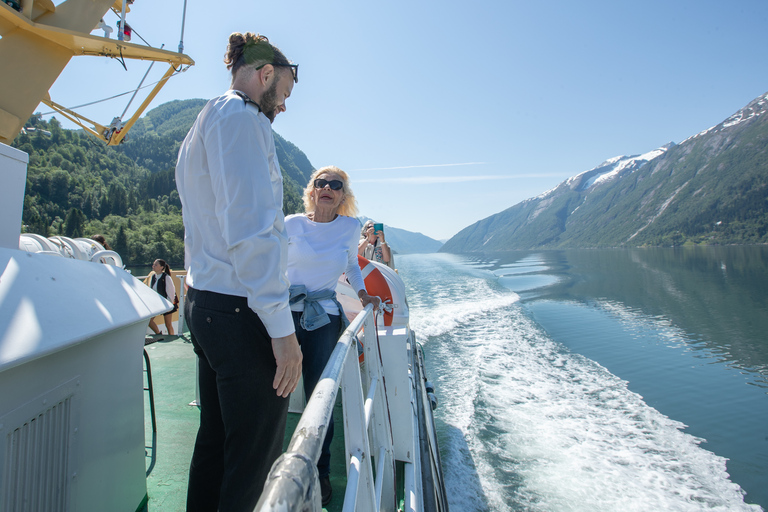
(86, 44)
(33, 54)
(97, 130)
(118, 6)
(117, 137)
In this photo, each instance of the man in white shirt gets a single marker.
(231, 190)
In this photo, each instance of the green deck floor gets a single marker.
(173, 376)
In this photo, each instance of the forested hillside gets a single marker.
(77, 186)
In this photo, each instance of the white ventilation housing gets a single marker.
(71, 375)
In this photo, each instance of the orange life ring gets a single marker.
(376, 284)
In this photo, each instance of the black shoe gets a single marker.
(326, 491)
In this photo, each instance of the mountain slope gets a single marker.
(711, 188)
(155, 140)
(407, 242)
(77, 187)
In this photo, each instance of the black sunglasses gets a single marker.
(294, 69)
(334, 184)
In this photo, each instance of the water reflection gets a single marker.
(717, 294)
(519, 284)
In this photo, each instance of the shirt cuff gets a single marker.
(279, 324)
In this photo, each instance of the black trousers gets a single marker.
(242, 420)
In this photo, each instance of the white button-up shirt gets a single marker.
(231, 191)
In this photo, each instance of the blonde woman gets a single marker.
(322, 244)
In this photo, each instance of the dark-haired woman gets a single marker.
(162, 283)
(102, 241)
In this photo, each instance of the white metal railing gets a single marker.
(293, 482)
(182, 293)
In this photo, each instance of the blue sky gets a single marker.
(447, 112)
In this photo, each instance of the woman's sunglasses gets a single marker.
(334, 184)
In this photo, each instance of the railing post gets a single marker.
(182, 298)
(380, 427)
(358, 497)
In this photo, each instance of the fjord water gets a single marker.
(598, 380)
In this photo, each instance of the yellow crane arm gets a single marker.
(36, 48)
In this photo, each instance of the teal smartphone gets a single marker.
(378, 227)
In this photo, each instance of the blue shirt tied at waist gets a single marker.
(314, 315)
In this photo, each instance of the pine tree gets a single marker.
(74, 223)
(121, 242)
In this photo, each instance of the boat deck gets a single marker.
(172, 362)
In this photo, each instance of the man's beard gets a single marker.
(268, 102)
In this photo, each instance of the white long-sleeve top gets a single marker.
(170, 287)
(231, 191)
(319, 252)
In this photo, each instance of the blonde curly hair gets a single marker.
(348, 207)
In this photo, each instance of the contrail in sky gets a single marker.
(419, 180)
(419, 166)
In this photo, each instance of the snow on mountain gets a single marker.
(612, 168)
(756, 108)
(707, 189)
(605, 172)
(627, 163)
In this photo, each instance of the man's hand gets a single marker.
(288, 357)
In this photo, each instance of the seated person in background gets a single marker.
(102, 241)
(373, 246)
(162, 283)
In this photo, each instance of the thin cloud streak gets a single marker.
(428, 180)
(419, 166)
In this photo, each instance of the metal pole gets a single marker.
(139, 87)
(182, 298)
(121, 31)
(183, 21)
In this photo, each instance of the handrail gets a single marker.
(293, 482)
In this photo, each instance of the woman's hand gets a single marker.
(368, 299)
(370, 234)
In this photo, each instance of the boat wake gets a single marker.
(528, 425)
